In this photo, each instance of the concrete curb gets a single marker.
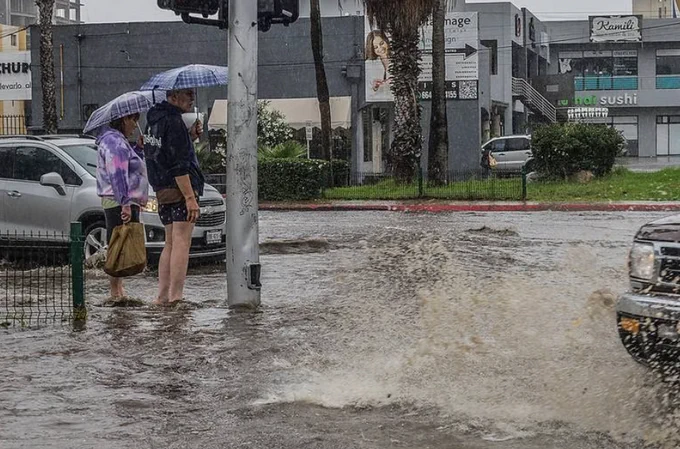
(473, 207)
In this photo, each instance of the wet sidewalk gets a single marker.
(649, 164)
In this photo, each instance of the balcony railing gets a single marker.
(605, 82)
(668, 82)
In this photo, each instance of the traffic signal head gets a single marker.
(206, 8)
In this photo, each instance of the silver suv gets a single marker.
(511, 152)
(47, 182)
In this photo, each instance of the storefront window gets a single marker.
(668, 69)
(601, 70)
(628, 126)
(668, 135)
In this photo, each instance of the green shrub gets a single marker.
(287, 150)
(561, 151)
(298, 179)
(272, 128)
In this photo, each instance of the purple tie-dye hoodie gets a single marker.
(121, 171)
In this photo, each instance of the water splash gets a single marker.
(485, 326)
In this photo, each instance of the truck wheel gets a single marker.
(635, 349)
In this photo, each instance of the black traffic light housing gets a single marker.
(269, 12)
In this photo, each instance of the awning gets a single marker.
(297, 112)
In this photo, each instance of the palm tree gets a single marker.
(402, 19)
(49, 89)
(439, 135)
(321, 81)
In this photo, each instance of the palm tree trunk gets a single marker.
(47, 78)
(404, 155)
(439, 134)
(321, 82)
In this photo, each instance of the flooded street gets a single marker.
(378, 330)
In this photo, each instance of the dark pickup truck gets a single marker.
(648, 315)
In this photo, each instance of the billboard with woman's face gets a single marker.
(378, 77)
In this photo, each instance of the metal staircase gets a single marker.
(533, 100)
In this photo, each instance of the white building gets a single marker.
(656, 9)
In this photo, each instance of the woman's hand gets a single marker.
(126, 214)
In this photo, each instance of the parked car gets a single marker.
(48, 182)
(648, 316)
(511, 152)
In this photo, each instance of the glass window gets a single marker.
(620, 63)
(668, 65)
(30, 164)
(668, 62)
(84, 155)
(517, 144)
(498, 145)
(6, 162)
(627, 125)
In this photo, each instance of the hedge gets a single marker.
(298, 179)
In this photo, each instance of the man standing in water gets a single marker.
(176, 178)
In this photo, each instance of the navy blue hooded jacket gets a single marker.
(169, 150)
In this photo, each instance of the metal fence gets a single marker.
(13, 124)
(468, 185)
(41, 278)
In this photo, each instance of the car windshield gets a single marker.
(85, 155)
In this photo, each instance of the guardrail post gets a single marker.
(76, 260)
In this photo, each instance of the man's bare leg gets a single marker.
(164, 274)
(181, 236)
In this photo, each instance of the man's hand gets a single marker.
(193, 210)
(140, 141)
(126, 214)
(196, 131)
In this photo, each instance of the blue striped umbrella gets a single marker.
(127, 104)
(188, 77)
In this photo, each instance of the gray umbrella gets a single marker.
(127, 104)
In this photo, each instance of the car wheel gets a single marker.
(95, 240)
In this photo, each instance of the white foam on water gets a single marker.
(516, 344)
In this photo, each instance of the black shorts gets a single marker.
(173, 213)
(114, 219)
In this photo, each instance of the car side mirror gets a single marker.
(54, 180)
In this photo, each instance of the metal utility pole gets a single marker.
(243, 253)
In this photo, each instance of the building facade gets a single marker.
(23, 13)
(517, 44)
(634, 74)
